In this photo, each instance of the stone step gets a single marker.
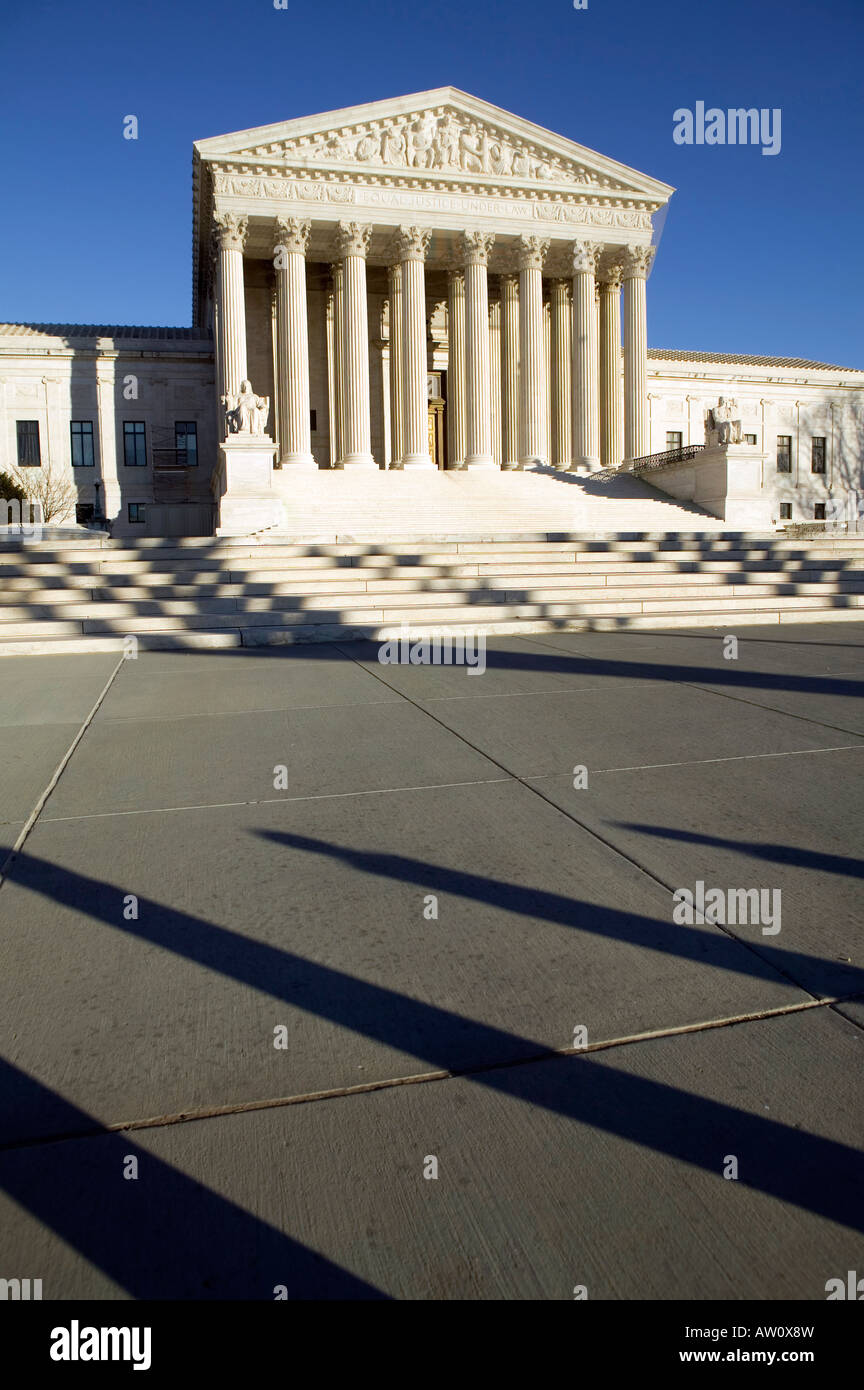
(505, 623)
(496, 591)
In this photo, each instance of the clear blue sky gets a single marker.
(759, 253)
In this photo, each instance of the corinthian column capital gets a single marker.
(476, 247)
(586, 255)
(637, 262)
(611, 276)
(229, 231)
(292, 234)
(352, 239)
(411, 243)
(532, 252)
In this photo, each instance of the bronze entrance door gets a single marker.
(437, 423)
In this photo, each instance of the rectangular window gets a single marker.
(784, 453)
(673, 439)
(81, 434)
(84, 513)
(817, 454)
(186, 442)
(819, 511)
(137, 513)
(313, 420)
(749, 439)
(785, 511)
(29, 452)
(134, 444)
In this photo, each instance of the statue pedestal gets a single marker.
(243, 485)
(723, 479)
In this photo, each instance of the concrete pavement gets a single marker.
(389, 871)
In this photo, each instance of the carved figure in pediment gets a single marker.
(474, 150)
(521, 164)
(367, 146)
(393, 146)
(500, 159)
(421, 141)
(447, 144)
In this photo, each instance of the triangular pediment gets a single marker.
(443, 136)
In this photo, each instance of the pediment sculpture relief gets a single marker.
(446, 142)
(246, 412)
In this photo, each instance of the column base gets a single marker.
(357, 461)
(588, 463)
(295, 461)
(510, 465)
(417, 461)
(532, 461)
(474, 463)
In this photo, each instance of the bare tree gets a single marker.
(52, 491)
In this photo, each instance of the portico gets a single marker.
(357, 264)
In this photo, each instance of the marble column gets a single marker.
(229, 233)
(586, 431)
(478, 426)
(397, 435)
(455, 367)
(637, 262)
(611, 401)
(495, 376)
(509, 371)
(532, 374)
(412, 244)
(352, 242)
(562, 373)
(338, 366)
(291, 241)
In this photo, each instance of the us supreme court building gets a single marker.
(428, 283)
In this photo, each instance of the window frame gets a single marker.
(136, 520)
(190, 431)
(679, 435)
(30, 434)
(132, 433)
(819, 439)
(787, 467)
(81, 437)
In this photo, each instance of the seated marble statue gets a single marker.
(723, 425)
(246, 413)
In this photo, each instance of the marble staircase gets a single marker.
(89, 594)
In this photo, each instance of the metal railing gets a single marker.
(648, 461)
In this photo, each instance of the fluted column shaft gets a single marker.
(396, 365)
(532, 367)
(352, 245)
(478, 426)
(337, 443)
(292, 343)
(637, 260)
(229, 233)
(456, 367)
(586, 432)
(412, 244)
(509, 371)
(611, 402)
(562, 371)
